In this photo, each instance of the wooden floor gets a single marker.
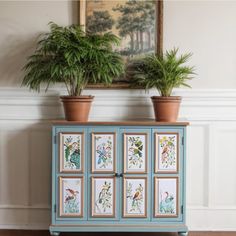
(46, 233)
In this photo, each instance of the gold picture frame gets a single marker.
(93, 156)
(125, 83)
(72, 193)
(103, 194)
(157, 214)
(126, 149)
(62, 168)
(133, 196)
(166, 170)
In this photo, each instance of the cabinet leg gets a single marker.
(182, 233)
(55, 233)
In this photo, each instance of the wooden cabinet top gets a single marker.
(120, 123)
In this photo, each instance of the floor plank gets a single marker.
(46, 233)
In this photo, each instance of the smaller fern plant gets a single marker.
(163, 72)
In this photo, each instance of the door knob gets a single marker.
(118, 175)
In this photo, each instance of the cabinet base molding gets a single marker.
(181, 229)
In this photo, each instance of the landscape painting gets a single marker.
(133, 21)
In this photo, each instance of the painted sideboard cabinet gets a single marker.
(118, 176)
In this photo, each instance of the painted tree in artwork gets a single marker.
(99, 22)
(128, 21)
(146, 22)
(137, 17)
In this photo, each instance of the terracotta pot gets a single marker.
(166, 108)
(77, 107)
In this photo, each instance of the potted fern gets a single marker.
(75, 58)
(163, 72)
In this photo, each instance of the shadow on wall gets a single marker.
(74, 9)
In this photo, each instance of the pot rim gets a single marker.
(166, 98)
(81, 97)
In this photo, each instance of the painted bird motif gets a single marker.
(167, 203)
(136, 198)
(75, 159)
(104, 191)
(137, 195)
(72, 194)
(168, 198)
(164, 153)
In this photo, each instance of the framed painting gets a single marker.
(103, 197)
(103, 152)
(139, 25)
(166, 197)
(71, 196)
(135, 153)
(135, 197)
(166, 152)
(71, 152)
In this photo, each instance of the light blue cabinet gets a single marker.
(118, 176)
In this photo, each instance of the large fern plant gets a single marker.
(163, 72)
(69, 55)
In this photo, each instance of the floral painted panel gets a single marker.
(103, 152)
(103, 197)
(72, 152)
(135, 153)
(166, 197)
(71, 197)
(134, 197)
(167, 151)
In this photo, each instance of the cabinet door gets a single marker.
(102, 169)
(69, 176)
(136, 165)
(168, 174)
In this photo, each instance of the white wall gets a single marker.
(207, 28)
(20, 24)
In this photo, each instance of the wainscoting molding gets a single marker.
(25, 147)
